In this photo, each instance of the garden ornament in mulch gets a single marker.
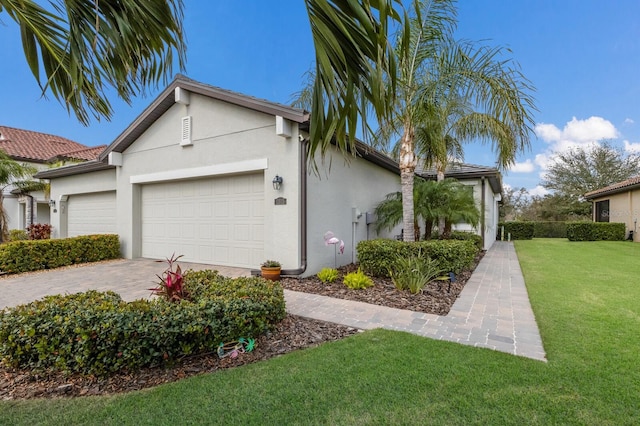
(329, 238)
(233, 349)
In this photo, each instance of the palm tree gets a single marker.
(450, 93)
(457, 205)
(78, 51)
(449, 199)
(17, 175)
(389, 211)
(402, 82)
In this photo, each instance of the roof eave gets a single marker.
(76, 169)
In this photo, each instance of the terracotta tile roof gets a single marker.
(37, 147)
(616, 187)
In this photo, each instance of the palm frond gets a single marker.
(88, 48)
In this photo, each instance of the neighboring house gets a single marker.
(487, 192)
(38, 150)
(619, 202)
(223, 178)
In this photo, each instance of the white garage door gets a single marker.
(91, 214)
(217, 221)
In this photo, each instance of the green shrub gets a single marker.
(595, 231)
(518, 230)
(328, 275)
(414, 272)
(98, 333)
(18, 235)
(377, 257)
(550, 229)
(357, 280)
(466, 235)
(25, 256)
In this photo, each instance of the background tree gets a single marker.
(555, 207)
(514, 201)
(580, 170)
(80, 50)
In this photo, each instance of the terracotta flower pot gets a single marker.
(271, 273)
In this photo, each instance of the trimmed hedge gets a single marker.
(466, 235)
(595, 231)
(518, 230)
(98, 333)
(25, 256)
(550, 229)
(377, 257)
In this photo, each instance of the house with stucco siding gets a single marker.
(38, 150)
(619, 202)
(224, 179)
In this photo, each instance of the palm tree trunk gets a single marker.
(407, 170)
(439, 178)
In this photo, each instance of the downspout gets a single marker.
(482, 211)
(302, 166)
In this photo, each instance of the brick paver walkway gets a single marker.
(493, 310)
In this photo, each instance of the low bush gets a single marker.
(18, 235)
(98, 333)
(377, 257)
(595, 231)
(328, 275)
(550, 229)
(518, 230)
(25, 256)
(466, 235)
(357, 280)
(414, 272)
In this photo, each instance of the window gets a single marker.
(602, 211)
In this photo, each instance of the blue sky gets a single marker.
(583, 56)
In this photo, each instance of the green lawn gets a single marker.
(586, 297)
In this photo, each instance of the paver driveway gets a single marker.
(132, 279)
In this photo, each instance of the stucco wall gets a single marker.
(225, 137)
(333, 193)
(624, 208)
(104, 180)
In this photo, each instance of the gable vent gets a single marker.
(186, 131)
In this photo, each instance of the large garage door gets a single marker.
(91, 214)
(217, 221)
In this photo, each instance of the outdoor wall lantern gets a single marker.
(52, 204)
(277, 182)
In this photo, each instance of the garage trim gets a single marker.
(200, 172)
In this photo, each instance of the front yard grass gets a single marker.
(586, 297)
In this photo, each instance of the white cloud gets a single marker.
(576, 133)
(543, 160)
(632, 147)
(526, 167)
(538, 191)
(628, 121)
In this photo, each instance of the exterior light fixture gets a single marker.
(52, 203)
(277, 182)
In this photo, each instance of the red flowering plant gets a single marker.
(171, 282)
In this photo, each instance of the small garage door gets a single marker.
(216, 221)
(91, 214)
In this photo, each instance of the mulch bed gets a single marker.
(292, 334)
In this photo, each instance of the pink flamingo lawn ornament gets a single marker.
(329, 238)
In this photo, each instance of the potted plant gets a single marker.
(270, 270)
